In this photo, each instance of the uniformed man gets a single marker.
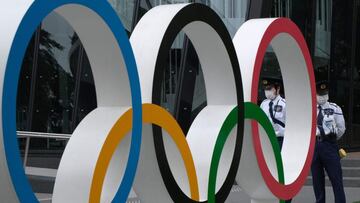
(274, 107)
(330, 128)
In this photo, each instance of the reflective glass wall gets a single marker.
(56, 91)
(331, 29)
(343, 70)
(55, 72)
(336, 56)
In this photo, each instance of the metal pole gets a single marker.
(26, 151)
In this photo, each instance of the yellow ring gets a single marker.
(152, 114)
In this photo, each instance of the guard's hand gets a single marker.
(329, 126)
(334, 130)
(327, 129)
(331, 130)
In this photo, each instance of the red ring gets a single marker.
(282, 25)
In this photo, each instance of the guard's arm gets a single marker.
(340, 122)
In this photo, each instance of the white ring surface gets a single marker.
(248, 42)
(12, 13)
(218, 74)
(113, 99)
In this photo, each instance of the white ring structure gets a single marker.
(146, 40)
(113, 99)
(251, 42)
(12, 13)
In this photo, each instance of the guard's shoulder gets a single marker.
(336, 108)
(334, 105)
(283, 100)
(264, 103)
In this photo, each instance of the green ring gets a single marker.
(252, 112)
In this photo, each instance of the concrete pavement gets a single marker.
(306, 195)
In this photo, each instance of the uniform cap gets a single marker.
(269, 83)
(322, 87)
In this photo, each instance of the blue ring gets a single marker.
(33, 17)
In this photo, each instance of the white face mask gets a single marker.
(270, 94)
(322, 99)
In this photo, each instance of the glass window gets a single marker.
(125, 10)
(86, 101)
(270, 69)
(356, 72)
(356, 111)
(341, 40)
(55, 78)
(232, 12)
(55, 92)
(339, 93)
(323, 39)
(282, 8)
(183, 87)
(24, 86)
(199, 101)
(24, 89)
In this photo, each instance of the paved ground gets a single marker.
(306, 195)
(354, 155)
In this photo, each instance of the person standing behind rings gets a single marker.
(330, 128)
(274, 107)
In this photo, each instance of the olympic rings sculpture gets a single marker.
(132, 142)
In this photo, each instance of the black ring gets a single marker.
(189, 14)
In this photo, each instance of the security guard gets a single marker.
(274, 106)
(330, 128)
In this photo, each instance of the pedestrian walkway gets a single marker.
(306, 195)
(354, 155)
(351, 169)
